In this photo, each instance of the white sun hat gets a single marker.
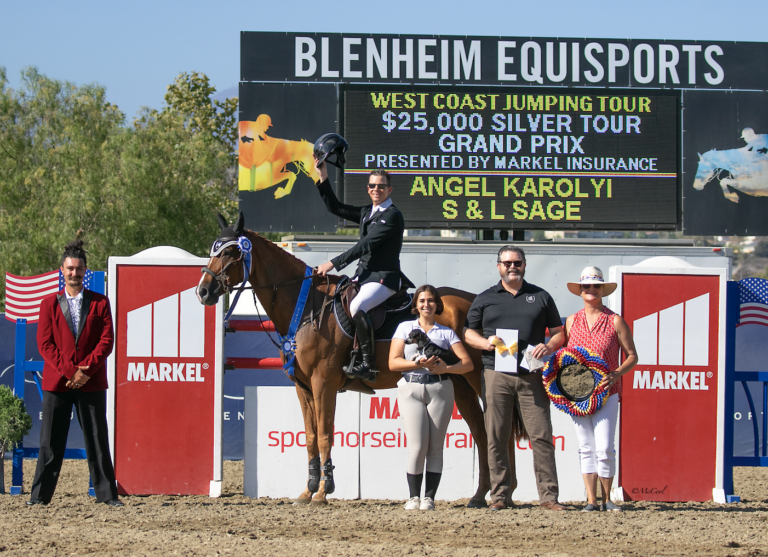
(592, 275)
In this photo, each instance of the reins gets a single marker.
(223, 280)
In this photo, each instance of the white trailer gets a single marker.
(471, 265)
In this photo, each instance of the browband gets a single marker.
(220, 245)
(242, 243)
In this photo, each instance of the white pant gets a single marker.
(371, 295)
(426, 410)
(596, 434)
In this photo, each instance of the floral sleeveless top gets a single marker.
(602, 339)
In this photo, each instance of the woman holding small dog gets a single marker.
(598, 328)
(425, 393)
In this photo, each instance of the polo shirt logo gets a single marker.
(530, 298)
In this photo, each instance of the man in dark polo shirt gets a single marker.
(516, 304)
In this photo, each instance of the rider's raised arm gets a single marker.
(384, 229)
(334, 206)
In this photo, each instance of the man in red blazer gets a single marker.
(74, 336)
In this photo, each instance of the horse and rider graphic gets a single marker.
(264, 160)
(744, 169)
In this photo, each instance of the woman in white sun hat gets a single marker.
(598, 328)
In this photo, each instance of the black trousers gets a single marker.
(92, 414)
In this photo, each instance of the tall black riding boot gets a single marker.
(366, 368)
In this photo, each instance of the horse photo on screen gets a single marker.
(744, 169)
(322, 349)
(264, 160)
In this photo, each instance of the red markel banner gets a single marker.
(164, 382)
(669, 403)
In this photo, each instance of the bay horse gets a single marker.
(322, 348)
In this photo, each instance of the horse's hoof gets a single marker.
(301, 502)
(319, 502)
(476, 503)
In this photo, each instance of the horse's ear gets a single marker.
(222, 221)
(240, 226)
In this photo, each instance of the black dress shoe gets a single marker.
(114, 503)
(35, 502)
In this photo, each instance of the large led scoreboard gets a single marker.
(517, 158)
(508, 133)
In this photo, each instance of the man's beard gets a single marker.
(513, 278)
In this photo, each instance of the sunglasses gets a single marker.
(509, 264)
(382, 187)
(588, 286)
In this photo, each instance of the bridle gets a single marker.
(222, 278)
(245, 247)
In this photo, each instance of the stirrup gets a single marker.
(363, 371)
(358, 369)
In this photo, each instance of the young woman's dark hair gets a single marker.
(432, 290)
(75, 251)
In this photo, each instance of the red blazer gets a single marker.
(63, 352)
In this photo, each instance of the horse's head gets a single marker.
(706, 170)
(226, 268)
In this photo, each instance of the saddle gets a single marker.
(384, 318)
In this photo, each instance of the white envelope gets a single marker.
(506, 361)
(529, 362)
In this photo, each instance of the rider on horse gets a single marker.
(381, 238)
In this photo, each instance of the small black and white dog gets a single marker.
(427, 348)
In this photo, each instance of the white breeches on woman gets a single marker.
(426, 410)
(371, 295)
(596, 435)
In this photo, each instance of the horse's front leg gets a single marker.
(287, 188)
(310, 428)
(729, 195)
(325, 408)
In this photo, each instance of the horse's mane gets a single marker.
(273, 246)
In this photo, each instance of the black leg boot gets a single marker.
(414, 484)
(366, 368)
(433, 480)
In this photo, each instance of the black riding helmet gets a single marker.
(330, 144)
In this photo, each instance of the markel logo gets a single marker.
(172, 328)
(675, 336)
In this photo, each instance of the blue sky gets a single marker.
(137, 48)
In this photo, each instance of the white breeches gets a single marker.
(596, 435)
(371, 295)
(426, 410)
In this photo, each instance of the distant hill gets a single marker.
(227, 93)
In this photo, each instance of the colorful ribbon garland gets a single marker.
(576, 355)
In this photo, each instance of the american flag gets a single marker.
(753, 300)
(24, 294)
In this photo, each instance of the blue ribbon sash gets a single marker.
(288, 342)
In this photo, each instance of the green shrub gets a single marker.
(15, 423)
